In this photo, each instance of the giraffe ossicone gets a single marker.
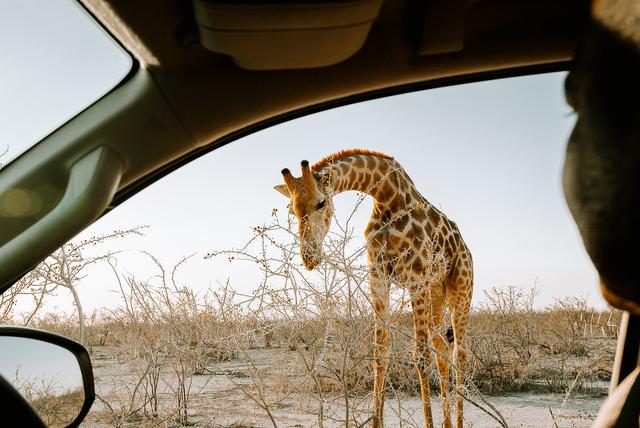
(410, 243)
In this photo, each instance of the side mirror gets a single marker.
(44, 374)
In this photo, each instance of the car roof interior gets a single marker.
(410, 44)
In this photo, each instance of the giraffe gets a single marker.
(405, 237)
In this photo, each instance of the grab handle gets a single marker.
(93, 180)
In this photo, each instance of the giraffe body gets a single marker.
(409, 243)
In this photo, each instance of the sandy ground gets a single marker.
(218, 400)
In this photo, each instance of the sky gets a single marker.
(488, 154)
(60, 370)
(55, 62)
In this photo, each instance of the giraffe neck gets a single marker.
(381, 178)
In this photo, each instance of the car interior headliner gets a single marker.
(212, 97)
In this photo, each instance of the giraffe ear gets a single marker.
(282, 188)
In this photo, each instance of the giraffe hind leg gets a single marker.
(427, 317)
(459, 321)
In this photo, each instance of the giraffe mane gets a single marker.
(344, 153)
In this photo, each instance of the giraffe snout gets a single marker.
(310, 252)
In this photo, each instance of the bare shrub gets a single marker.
(57, 407)
(62, 270)
(166, 335)
(26, 288)
(325, 318)
(516, 347)
(67, 265)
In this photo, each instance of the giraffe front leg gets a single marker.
(380, 301)
(442, 354)
(422, 361)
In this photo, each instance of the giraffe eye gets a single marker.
(321, 205)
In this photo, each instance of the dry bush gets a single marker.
(57, 407)
(60, 271)
(325, 318)
(59, 410)
(166, 335)
(516, 347)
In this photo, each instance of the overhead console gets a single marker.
(285, 34)
(453, 25)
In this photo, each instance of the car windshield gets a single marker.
(57, 60)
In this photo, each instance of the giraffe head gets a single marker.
(312, 204)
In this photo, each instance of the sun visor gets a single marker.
(285, 34)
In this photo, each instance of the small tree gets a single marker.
(66, 267)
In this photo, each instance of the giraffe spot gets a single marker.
(394, 179)
(417, 266)
(434, 216)
(394, 240)
(419, 311)
(376, 178)
(385, 194)
(371, 163)
(417, 229)
(366, 183)
(389, 270)
(396, 203)
(419, 215)
(359, 162)
(401, 222)
(448, 251)
(440, 239)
